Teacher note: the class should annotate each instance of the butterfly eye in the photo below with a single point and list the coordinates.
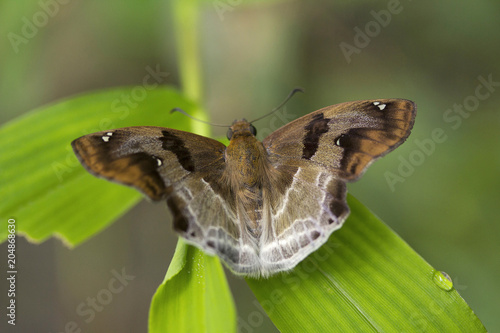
(253, 130)
(229, 134)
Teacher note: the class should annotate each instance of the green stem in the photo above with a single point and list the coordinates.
(186, 19)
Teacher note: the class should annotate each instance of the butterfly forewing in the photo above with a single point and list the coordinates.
(344, 138)
(150, 159)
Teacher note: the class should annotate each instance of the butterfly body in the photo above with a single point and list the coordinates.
(245, 156)
(260, 206)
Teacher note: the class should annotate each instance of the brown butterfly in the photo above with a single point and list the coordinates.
(260, 206)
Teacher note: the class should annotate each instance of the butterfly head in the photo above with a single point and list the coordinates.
(241, 128)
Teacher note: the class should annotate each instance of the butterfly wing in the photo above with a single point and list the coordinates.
(322, 151)
(184, 169)
(150, 159)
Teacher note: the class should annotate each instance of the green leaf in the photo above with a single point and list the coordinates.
(364, 279)
(43, 185)
(194, 297)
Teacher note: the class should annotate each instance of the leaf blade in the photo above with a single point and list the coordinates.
(364, 279)
(194, 296)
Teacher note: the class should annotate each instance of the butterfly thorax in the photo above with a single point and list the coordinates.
(245, 155)
(246, 162)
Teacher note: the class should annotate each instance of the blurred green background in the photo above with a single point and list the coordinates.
(441, 197)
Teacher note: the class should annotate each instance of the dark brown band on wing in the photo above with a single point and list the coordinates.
(176, 206)
(176, 145)
(315, 129)
(363, 145)
(141, 171)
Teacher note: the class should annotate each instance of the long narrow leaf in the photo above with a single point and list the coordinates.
(194, 297)
(365, 279)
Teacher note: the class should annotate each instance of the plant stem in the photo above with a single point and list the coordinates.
(186, 19)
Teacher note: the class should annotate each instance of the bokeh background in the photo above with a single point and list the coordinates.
(441, 196)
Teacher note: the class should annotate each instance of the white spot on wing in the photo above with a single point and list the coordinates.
(109, 133)
(105, 138)
(381, 106)
(376, 103)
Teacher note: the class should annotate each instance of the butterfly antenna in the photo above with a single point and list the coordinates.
(295, 90)
(190, 116)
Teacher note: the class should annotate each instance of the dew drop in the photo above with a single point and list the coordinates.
(442, 280)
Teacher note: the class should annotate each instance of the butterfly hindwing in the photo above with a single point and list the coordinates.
(310, 210)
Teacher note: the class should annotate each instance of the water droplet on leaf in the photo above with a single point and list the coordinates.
(442, 280)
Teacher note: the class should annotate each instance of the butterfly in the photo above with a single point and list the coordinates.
(262, 207)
